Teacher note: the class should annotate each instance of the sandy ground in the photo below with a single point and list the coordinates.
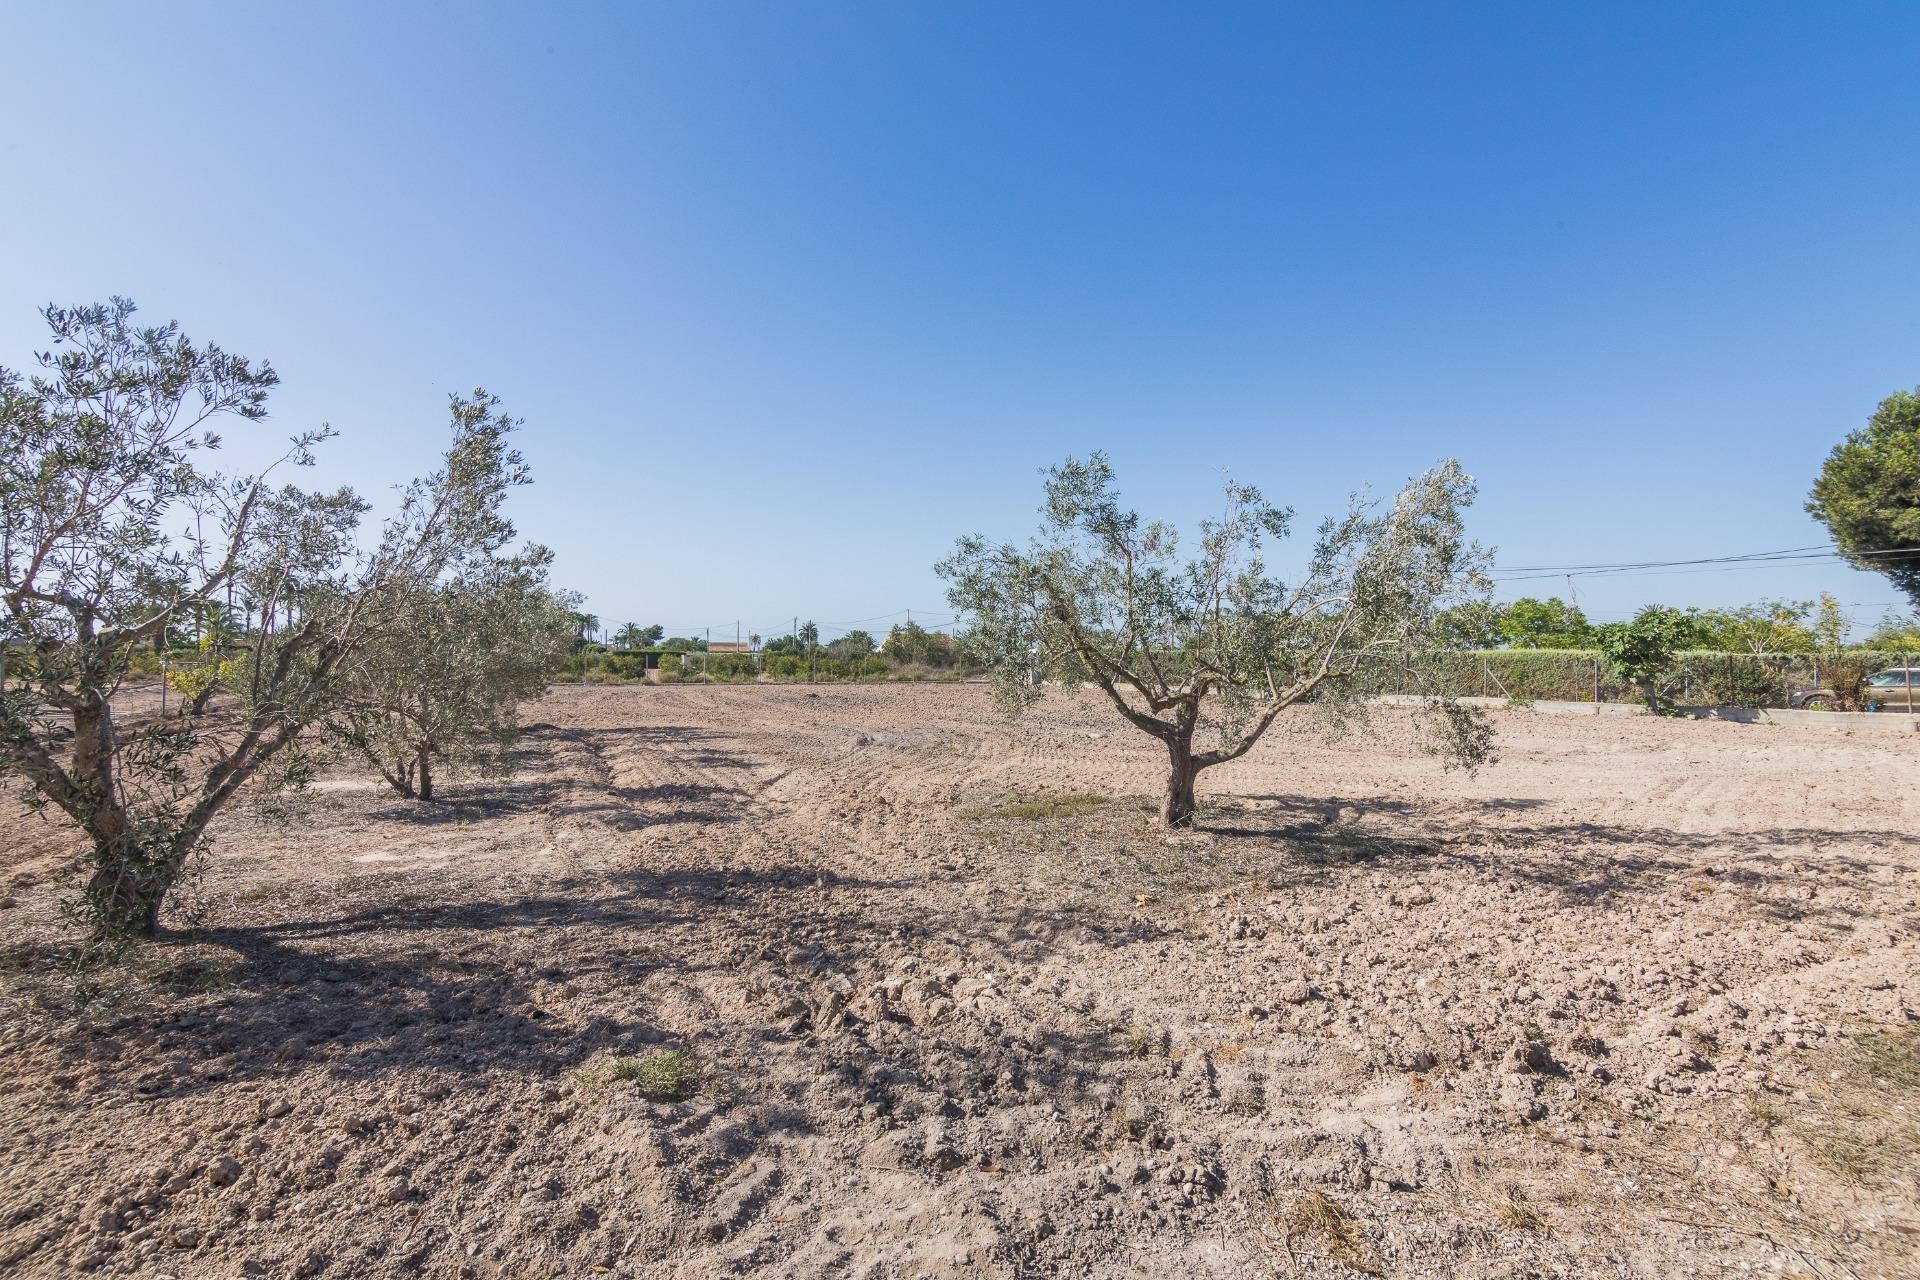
(762, 981)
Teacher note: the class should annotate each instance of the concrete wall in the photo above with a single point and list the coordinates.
(1877, 721)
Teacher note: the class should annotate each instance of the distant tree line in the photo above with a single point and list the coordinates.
(1764, 627)
(906, 644)
(906, 651)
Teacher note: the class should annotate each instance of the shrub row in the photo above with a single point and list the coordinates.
(1697, 678)
(737, 668)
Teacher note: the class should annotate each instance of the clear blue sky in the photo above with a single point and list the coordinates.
(790, 295)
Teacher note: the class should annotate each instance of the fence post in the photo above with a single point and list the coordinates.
(1483, 675)
(1596, 682)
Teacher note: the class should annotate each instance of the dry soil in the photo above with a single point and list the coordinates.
(782, 981)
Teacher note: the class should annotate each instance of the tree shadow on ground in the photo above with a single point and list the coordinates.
(626, 809)
(1585, 863)
(463, 987)
(631, 809)
(699, 747)
(536, 987)
(468, 801)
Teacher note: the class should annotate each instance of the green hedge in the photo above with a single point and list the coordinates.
(1699, 678)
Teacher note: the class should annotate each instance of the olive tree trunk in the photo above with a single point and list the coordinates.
(411, 777)
(1183, 767)
(1177, 808)
(127, 892)
(132, 876)
(127, 884)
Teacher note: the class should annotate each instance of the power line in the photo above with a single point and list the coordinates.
(1634, 564)
(1704, 564)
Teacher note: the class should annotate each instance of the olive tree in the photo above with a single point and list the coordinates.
(1213, 648)
(114, 527)
(442, 683)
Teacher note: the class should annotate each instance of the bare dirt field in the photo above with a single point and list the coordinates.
(774, 981)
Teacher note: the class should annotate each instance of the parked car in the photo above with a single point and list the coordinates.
(1895, 689)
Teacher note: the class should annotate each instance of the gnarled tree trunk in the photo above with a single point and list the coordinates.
(127, 893)
(424, 771)
(1177, 808)
(126, 888)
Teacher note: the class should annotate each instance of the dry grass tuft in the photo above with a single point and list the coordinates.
(1141, 1040)
(1513, 1212)
(1848, 1153)
(1038, 808)
(665, 1076)
(1864, 1123)
(1892, 1056)
(1765, 1110)
(1316, 1217)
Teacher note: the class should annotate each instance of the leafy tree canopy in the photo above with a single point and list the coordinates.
(632, 635)
(1528, 623)
(1214, 645)
(851, 647)
(115, 527)
(1643, 650)
(1868, 493)
(442, 684)
(1769, 626)
(912, 643)
(1474, 625)
(1895, 632)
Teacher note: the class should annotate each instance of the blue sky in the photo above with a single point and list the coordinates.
(790, 295)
